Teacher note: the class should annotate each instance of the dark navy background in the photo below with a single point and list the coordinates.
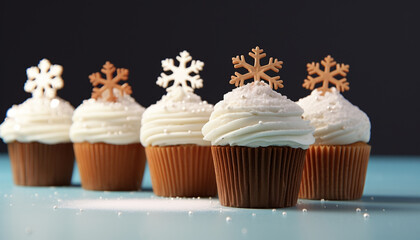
(378, 39)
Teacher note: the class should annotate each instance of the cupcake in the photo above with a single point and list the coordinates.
(105, 133)
(37, 131)
(336, 164)
(258, 139)
(179, 159)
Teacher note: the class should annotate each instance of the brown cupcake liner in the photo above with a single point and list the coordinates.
(182, 170)
(38, 164)
(109, 167)
(263, 177)
(335, 172)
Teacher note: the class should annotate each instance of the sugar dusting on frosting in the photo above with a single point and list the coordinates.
(175, 119)
(38, 119)
(109, 122)
(256, 116)
(336, 120)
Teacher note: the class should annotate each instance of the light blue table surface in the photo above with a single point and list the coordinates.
(389, 209)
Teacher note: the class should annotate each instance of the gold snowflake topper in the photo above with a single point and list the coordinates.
(44, 80)
(257, 71)
(181, 74)
(110, 82)
(327, 76)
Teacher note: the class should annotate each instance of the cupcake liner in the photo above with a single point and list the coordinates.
(263, 177)
(38, 164)
(109, 167)
(182, 171)
(335, 172)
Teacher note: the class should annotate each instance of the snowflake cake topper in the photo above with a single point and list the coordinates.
(257, 71)
(327, 76)
(181, 75)
(110, 82)
(44, 80)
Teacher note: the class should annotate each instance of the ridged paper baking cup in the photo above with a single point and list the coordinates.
(263, 177)
(335, 172)
(108, 167)
(38, 164)
(182, 171)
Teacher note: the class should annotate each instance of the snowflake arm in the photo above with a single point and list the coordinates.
(97, 93)
(163, 80)
(55, 71)
(341, 69)
(122, 75)
(196, 66)
(55, 83)
(196, 81)
(183, 58)
(310, 82)
(342, 84)
(275, 82)
(32, 87)
(274, 66)
(257, 54)
(96, 79)
(32, 73)
(328, 62)
(168, 65)
(313, 68)
(239, 79)
(239, 62)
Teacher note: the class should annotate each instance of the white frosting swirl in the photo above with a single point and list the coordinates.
(256, 116)
(109, 122)
(38, 119)
(175, 119)
(336, 120)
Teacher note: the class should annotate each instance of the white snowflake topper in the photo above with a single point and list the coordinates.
(44, 80)
(181, 74)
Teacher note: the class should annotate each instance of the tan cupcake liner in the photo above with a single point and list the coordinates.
(335, 172)
(109, 167)
(182, 171)
(263, 177)
(38, 164)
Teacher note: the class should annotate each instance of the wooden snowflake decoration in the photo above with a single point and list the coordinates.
(110, 82)
(257, 71)
(327, 76)
(181, 74)
(44, 80)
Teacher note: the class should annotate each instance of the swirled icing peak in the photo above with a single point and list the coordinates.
(256, 116)
(175, 119)
(109, 122)
(336, 120)
(38, 120)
